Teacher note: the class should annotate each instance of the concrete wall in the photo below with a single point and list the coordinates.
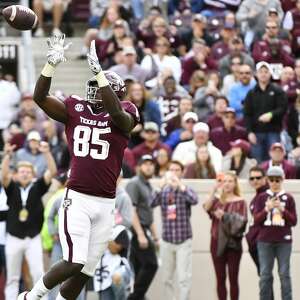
(203, 286)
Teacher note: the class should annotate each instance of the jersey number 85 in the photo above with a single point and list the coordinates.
(85, 137)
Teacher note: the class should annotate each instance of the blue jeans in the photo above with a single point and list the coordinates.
(260, 151)
(267, 253)
(138, 9)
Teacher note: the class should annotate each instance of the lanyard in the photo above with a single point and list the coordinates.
(24, 194)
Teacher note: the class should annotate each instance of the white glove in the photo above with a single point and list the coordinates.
(56, 50)
(93, 59)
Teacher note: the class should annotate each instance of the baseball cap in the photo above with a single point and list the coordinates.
(239, 143)
(277, 146)
(146, 157)
(151, 126)
(199, 18)
(128, 50)
(120, 236)
(34, 135)
(272, 10)
(275, 171)
(261, 64)
(190, 115)
(201, 126)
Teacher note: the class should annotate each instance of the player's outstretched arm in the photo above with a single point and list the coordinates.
(111, 102)
(52, 106)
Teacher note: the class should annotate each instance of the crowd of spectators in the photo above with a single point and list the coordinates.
(217, 86)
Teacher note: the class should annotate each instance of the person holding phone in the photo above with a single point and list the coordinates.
(175, 200)
(226, 208)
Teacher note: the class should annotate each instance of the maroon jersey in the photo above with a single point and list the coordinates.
(96, 147)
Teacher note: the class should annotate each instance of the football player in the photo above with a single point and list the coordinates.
(97, 130)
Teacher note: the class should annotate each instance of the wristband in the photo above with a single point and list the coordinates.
(48, 70)
(101, 79)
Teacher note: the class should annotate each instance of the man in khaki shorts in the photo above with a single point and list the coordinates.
(57, 7)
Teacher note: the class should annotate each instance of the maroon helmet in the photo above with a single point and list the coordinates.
(115, 81)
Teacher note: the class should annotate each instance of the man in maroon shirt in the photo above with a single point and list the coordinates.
(215, 120)
(277, 154)
(275, 213)
(97, 131)
(229, 132)
(152, 144)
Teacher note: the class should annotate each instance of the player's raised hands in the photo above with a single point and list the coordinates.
(93, 61)
(56, 49)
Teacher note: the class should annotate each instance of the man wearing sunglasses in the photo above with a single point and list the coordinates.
(275, 213)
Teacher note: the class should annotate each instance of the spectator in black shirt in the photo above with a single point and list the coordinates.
(264, 109)
(24, 217)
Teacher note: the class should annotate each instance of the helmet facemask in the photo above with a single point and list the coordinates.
(91, 92)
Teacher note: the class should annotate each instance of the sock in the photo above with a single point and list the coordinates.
(38, 291)
(60, 297)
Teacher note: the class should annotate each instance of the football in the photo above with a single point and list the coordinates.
(20, 17)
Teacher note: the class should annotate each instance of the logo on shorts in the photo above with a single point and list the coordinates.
(67, 202)
(79, 107)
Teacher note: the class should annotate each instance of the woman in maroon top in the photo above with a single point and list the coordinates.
(202, 168)
(227, 204)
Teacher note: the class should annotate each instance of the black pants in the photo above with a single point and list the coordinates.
(144, 263)
(254, 255)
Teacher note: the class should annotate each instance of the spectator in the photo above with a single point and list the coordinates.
(161, 163)
(28, 123)
(233, 76)
(277, 154)
(237, 159)
(227, 211)
(202, 168)
(272, 49)
(252, 17)
(197, 81)
(204, 98)
(55, 141)
(10, 98)
(186, 152)
(159, 29)
(238, 92)
(275, 213)
(130, 67)
(198, 59)
(289, 84)
(198, 30)
(144, 239)
(294, 157)
(291, 23)
(109, 51)
(221, 48)
(105, 30)
(175, 200)
(57, 8)
(185, 105)
(145, 21)
(220, 105)
(25, 217)
(183, 134)
(221, 137)
(264, 109)
(164, 60)
(151, 144)
(257, 180)
(168, 96)
(31, 153)
(113, 274)
(236, 48)
(148, 109)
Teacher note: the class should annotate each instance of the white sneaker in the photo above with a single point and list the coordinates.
(39, 32)
(56, 32)
(23, 296)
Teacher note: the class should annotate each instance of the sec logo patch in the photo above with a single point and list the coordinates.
(79, 107)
